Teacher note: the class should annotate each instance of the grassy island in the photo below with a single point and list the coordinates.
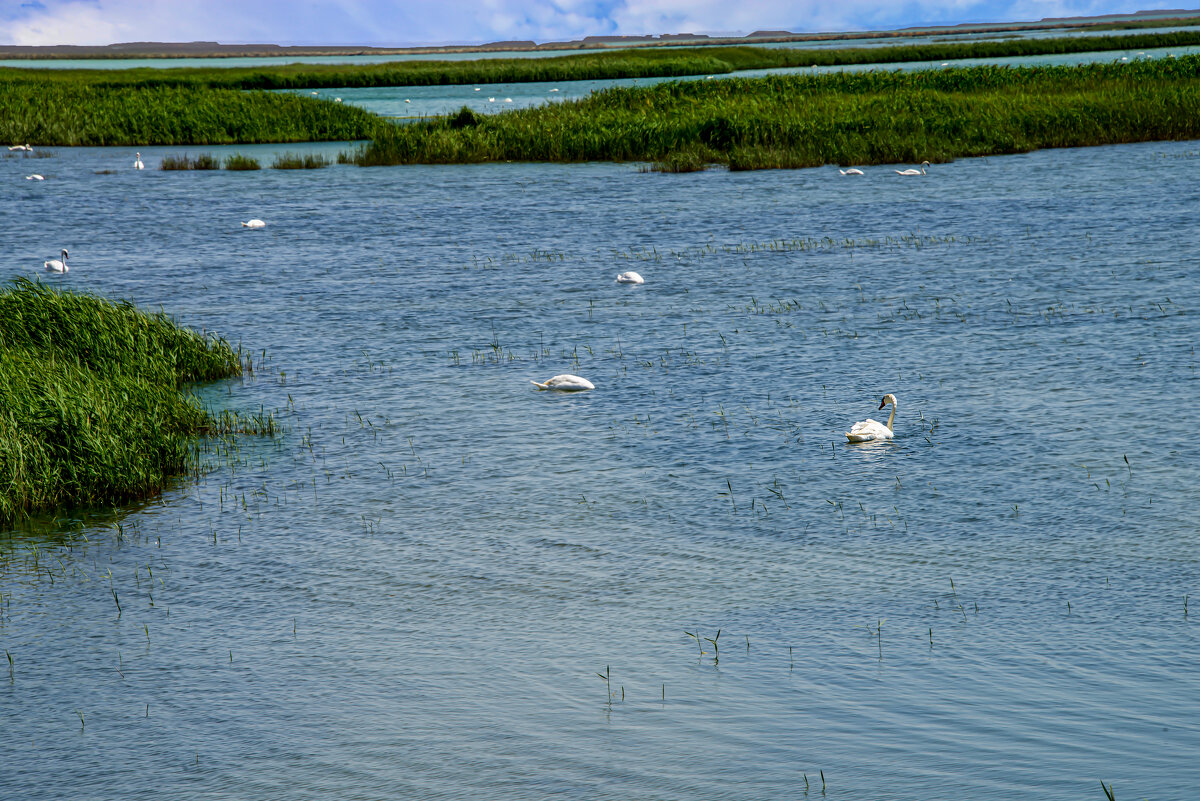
(837, 118)
(55, 112)
(228, 105)
(93, 409)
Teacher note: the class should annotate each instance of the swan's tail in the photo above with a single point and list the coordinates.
(859, 437)
(539, 386)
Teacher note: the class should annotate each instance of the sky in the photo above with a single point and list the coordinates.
(412, 22)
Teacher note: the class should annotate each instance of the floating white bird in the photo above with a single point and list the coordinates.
(337, 100)
(491, 100)
(312, 93)
(630, 277)
(256, 223)
(565, 383)
(508, 100)
(406, 100)
(35, 177)
(945, 63)
(911, 171)
(553, 90)
(869, 430)
(852, 171)
(476, 88)
(137, 162)
(20, 147)
(58, 265)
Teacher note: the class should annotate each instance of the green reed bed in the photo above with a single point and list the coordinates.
(809, 120)
(297, 161)
(632, 63)
(204, 161)
(85, 114)
(239, 162)
(92, 403)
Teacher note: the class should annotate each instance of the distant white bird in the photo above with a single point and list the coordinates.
(911, 171)
(565, 383)
(491, 100)
(35, 177)
(630, 277)
(945, 63)
(508, 100)
(20, 147)
(58, 265)
(869, 430)
(852, 171)
(137, 162)
(553, 90)
(476, 88)
(406, 100)
(337, 100)
(256, 223)
(312, 93)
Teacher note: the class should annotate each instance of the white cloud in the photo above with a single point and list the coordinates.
(442, 21)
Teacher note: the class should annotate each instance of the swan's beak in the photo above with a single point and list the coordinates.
(882, 403)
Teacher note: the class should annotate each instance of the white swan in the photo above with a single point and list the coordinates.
(137, 162)
(565, 383)
(869, 430)
(508, 100)
(254, 224)
(20, 147)
(58, 265)
(852, 171)
(35, 177)
(630, 277)
(911, 171)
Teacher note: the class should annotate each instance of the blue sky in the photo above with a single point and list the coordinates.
(389, 22)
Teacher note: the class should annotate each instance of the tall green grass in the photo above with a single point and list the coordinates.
(55, 112)
(840, 118)
(633, 63)
(92, 403)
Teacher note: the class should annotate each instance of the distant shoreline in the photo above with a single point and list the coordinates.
(170, 50)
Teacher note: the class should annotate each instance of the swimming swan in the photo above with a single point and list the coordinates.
(852, 171)
(58, 265)
(20, 147)
(137, 162)
(565, 383)
(911, 171)
(869, 430)
(630, 277)
(254, 224)
(35, 177)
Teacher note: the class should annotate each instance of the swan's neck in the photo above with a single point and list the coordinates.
(892, 417)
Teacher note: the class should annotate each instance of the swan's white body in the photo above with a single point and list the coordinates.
(35, 177)
(137, 162)
(20, 147)
(630, 277)
(565, 383)
(852, 171)
(870, 430)
(911, 171)
(254, 224)
(508, 100)
(58, 265)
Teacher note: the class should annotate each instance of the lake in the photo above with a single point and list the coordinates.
(441, 583)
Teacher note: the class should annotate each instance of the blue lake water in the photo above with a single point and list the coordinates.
(410, 592)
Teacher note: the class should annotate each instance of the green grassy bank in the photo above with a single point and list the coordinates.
(65, 113)
(92, 406)
(841, 118)
(635, 63)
